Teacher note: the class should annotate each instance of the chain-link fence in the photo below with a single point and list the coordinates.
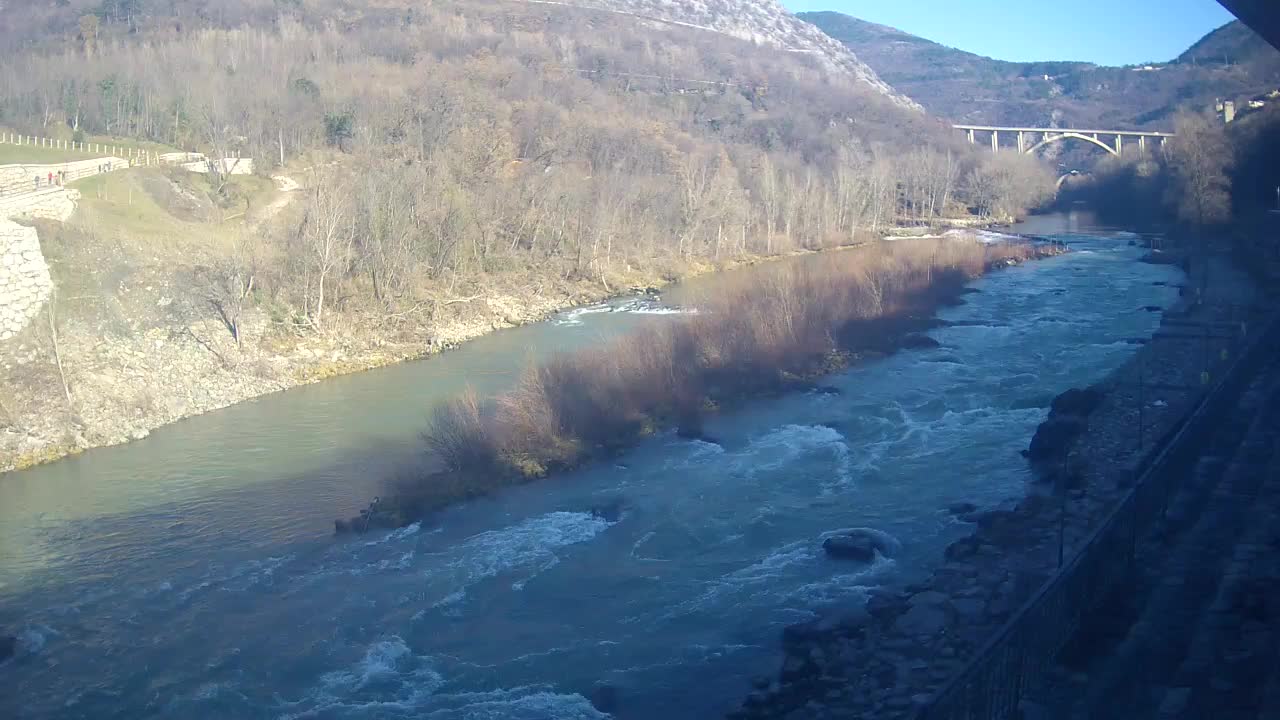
(1160, 405)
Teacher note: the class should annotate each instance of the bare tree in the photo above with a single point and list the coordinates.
(227, 285)
(1200, 158)
(325, 237)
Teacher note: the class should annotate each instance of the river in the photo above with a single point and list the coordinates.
(194, 574)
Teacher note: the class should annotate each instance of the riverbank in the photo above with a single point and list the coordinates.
(225, 522)
(124, 373)
(123, 386)
(770, 333)
(886, 659)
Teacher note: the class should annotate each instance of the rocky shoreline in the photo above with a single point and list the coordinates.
(887, 659)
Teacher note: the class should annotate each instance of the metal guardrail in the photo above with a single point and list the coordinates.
(1023, 650)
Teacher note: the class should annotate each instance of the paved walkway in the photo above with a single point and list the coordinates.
(19, 196)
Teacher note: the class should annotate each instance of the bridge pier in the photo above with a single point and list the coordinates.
(995, 141)
(1022, 142)
(1142, 143)
(1119, 144)
(971, 141)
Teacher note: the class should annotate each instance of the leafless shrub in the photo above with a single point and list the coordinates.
(760, 326)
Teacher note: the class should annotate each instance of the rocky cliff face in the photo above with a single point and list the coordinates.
(765, 22)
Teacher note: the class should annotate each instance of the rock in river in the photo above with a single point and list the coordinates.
(1080, 403)
(1054, 437)
(1066, 420)
(860, 545)
(610, 511)
(919, 342)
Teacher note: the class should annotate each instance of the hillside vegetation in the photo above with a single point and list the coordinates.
(1231, 63)
(463, 166)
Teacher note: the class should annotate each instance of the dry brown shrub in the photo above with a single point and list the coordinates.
(783, 319)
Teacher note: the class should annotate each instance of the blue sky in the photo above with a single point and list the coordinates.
(1110, 32)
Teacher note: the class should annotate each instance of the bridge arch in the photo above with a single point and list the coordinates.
(1077, 136)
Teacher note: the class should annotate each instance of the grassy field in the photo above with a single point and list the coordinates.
(164, 208)
(33, 155)
(135, 238)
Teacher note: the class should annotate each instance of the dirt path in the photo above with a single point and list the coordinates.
(286, 190)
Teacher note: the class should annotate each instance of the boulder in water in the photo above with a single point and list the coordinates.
(1076, 402)
(1067, 419)
(850, 548)
(1054, 437)
(857, 545)
(919, 342)
(610, 511)
(8, 647)
(962, 549)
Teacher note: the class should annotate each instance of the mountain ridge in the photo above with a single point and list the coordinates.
(764, 22)
(1231, 62)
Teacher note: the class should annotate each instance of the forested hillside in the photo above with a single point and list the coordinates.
(1230, 63)
(463, 165)
(487, 98)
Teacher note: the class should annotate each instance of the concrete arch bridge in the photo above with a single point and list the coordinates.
(1029, 140)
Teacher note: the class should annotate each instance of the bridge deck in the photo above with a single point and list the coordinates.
(1126, 133)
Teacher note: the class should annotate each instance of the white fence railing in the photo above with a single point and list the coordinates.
(134, 155)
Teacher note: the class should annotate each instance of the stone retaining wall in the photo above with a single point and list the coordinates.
(21, 178)
(25, 283)
(53, 204)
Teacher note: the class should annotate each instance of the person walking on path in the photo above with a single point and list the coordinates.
(51, 178)
(37, 179)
